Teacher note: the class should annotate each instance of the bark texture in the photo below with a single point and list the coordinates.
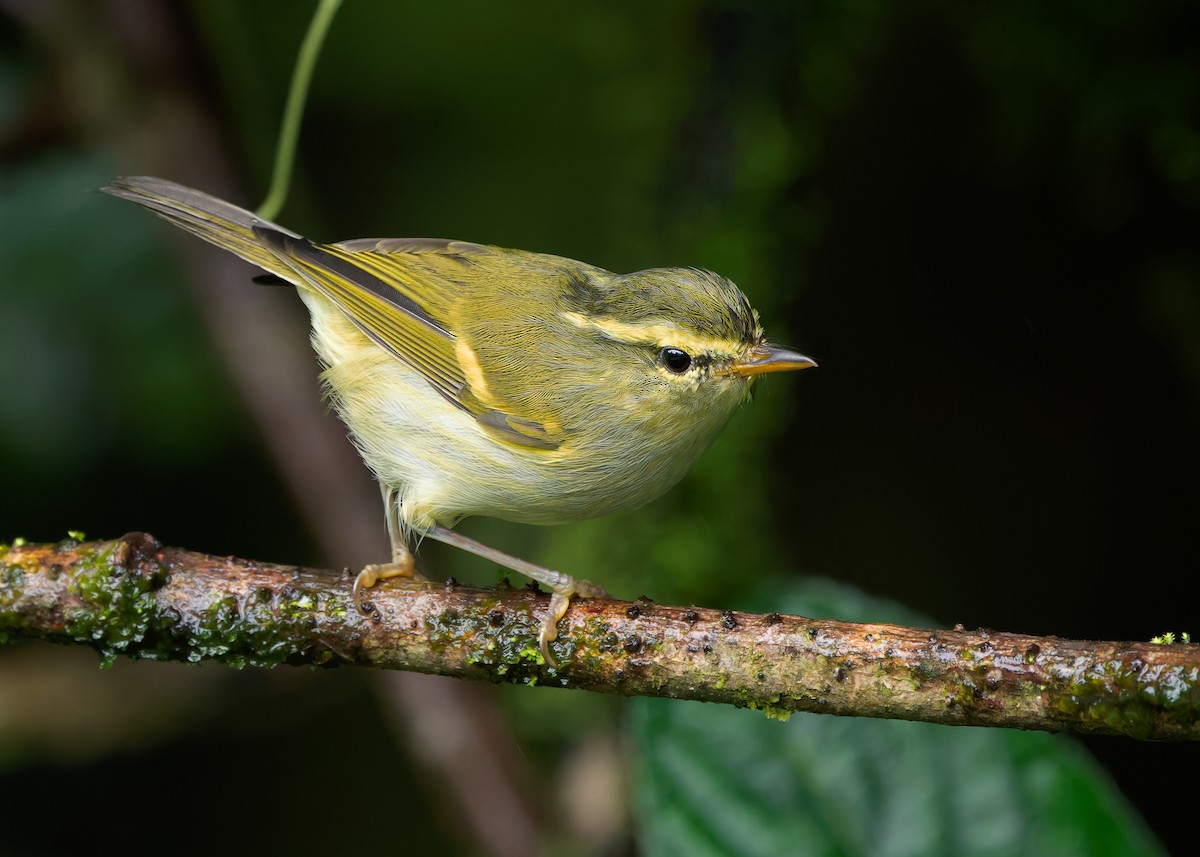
(134, 597)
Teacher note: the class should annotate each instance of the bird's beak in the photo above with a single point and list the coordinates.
(769, 358)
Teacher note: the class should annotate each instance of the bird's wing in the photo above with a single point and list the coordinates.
(403, 294)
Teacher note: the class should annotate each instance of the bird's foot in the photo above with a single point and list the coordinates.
(562, 587)
(402, 565)
(562, 591)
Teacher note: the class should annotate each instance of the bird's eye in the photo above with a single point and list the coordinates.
(675, 359)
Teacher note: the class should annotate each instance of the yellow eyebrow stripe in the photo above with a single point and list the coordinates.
(659, 335)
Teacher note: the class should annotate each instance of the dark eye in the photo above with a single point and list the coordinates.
(675, 359)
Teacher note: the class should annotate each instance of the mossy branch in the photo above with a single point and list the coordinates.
(134, 597)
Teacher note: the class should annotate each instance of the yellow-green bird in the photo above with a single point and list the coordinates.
(477, 380)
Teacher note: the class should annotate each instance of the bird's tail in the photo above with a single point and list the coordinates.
(212, 219)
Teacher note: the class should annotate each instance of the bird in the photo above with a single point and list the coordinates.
(477, 380)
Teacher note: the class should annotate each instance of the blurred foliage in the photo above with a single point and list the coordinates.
(98, 332)
(980, 219)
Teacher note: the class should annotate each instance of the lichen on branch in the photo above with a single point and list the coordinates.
(134, 597)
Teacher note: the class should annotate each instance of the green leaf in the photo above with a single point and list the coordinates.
(715, 780)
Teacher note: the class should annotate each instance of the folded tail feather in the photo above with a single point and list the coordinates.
(216, 221)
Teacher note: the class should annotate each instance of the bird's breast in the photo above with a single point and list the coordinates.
(618, 451)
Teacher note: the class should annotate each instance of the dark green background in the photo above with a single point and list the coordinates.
(982, 220)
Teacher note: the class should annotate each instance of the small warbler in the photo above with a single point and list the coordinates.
(477, 380)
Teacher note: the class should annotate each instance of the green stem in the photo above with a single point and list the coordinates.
(289, 132)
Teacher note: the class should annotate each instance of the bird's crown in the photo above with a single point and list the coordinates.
(688, 308)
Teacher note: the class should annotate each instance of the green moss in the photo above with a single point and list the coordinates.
(925, 671)
(120, 614)
(1120, 696)
(489, 635)
(263, 630)
(965, 695)
(773, 712)
(1168, 638)
(12, 584)
(119, 604)
(298, 605)
(746, 698)
(505, 640)
(768, 705)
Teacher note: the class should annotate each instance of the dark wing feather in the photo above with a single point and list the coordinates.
(386, 295)
(389, 317)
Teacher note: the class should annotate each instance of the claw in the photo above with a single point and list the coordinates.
(560, 600)
(401, 566)
(562, 586)
(365, 580)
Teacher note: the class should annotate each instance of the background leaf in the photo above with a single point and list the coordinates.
(713, 780)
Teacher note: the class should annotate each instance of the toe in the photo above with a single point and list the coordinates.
(365, 580)
(559, 602)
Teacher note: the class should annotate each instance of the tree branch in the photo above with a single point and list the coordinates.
(134, 597)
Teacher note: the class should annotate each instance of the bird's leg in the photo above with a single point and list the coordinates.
(402, 564)
(562, 586)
